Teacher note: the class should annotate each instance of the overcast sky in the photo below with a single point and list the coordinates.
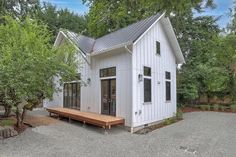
(221, 10)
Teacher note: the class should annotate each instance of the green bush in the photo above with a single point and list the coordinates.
(179, 114)
(222, 108)
(205, 107)
(233, 107)
(7, 122)
(202, 107)
(216, 107)
(167, 121)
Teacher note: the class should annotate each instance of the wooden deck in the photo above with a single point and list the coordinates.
(87, 117)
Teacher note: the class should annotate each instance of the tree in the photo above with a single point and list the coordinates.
(28, 65)
(19, 9)
(56, 19)
(107, 16)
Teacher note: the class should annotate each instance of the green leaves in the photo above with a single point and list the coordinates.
(29, 63)
(106, 16)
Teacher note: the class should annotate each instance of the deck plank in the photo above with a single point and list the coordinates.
(87, 117)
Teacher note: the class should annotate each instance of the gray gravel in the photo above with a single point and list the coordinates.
(200, 134)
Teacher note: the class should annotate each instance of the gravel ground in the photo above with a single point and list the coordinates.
(200, 134)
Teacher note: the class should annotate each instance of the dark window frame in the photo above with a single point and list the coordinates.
(147, 83)
(158, 48)
(71, 95)
(168, 85)
(107, 72)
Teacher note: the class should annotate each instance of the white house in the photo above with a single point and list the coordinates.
(130, 73)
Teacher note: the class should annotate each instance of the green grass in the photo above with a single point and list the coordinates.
(7, 122)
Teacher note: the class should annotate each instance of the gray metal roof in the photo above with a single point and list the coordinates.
(125, 35)
(85, 44)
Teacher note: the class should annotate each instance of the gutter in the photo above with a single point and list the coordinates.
(112, 48)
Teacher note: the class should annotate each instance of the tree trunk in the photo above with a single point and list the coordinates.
(18, 124)
(23, 115)
(7, 111)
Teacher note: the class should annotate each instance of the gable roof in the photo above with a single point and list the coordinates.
(128, 34)
(119, 38)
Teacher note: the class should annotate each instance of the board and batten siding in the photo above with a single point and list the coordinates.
(91, 94)
(144, 54)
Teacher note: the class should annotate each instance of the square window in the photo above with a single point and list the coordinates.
(147, 71)
(168, 75)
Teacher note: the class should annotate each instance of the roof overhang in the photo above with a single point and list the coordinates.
(173, 40)
(95, 53)
(59, 39)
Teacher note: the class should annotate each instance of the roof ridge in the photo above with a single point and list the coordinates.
(126, 26)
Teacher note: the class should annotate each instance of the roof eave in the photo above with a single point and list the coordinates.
(174, 42)
(95, 53)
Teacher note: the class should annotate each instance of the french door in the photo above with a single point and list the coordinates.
(71, 95)
(108, 97)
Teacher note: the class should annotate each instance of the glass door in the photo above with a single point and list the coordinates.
(108, 91)
(71, 95)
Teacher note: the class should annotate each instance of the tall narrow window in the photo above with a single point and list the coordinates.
(158, 48)
(71, 95)
(147, 84)
(168, 86)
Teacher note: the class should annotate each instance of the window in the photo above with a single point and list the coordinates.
(108, 72)
(71, 95)
(147, 84)
(168, 86)
(158, 48)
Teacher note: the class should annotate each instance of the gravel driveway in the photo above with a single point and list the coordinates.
(200, 134)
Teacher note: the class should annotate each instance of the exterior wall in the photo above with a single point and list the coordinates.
(91, 94)
(144, 54)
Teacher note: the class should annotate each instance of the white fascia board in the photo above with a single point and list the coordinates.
(77, 48)
(137, 40)
(173, 41)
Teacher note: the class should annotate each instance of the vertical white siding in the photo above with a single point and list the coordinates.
(91, 94)
(144, 54)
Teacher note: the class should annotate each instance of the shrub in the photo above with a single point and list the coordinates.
(179, 114)
(208, 107)
(167, 121)
(233, 107)
(7, 122)
(205, 107)
(222, 108)
(202, 107)
(216, 107)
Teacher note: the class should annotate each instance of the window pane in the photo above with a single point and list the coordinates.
(65, 99)
(78, 95)
(168, 75)
(147, 71)
(168, 91)
(158, 47)
(147, 90)
(108, 72)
